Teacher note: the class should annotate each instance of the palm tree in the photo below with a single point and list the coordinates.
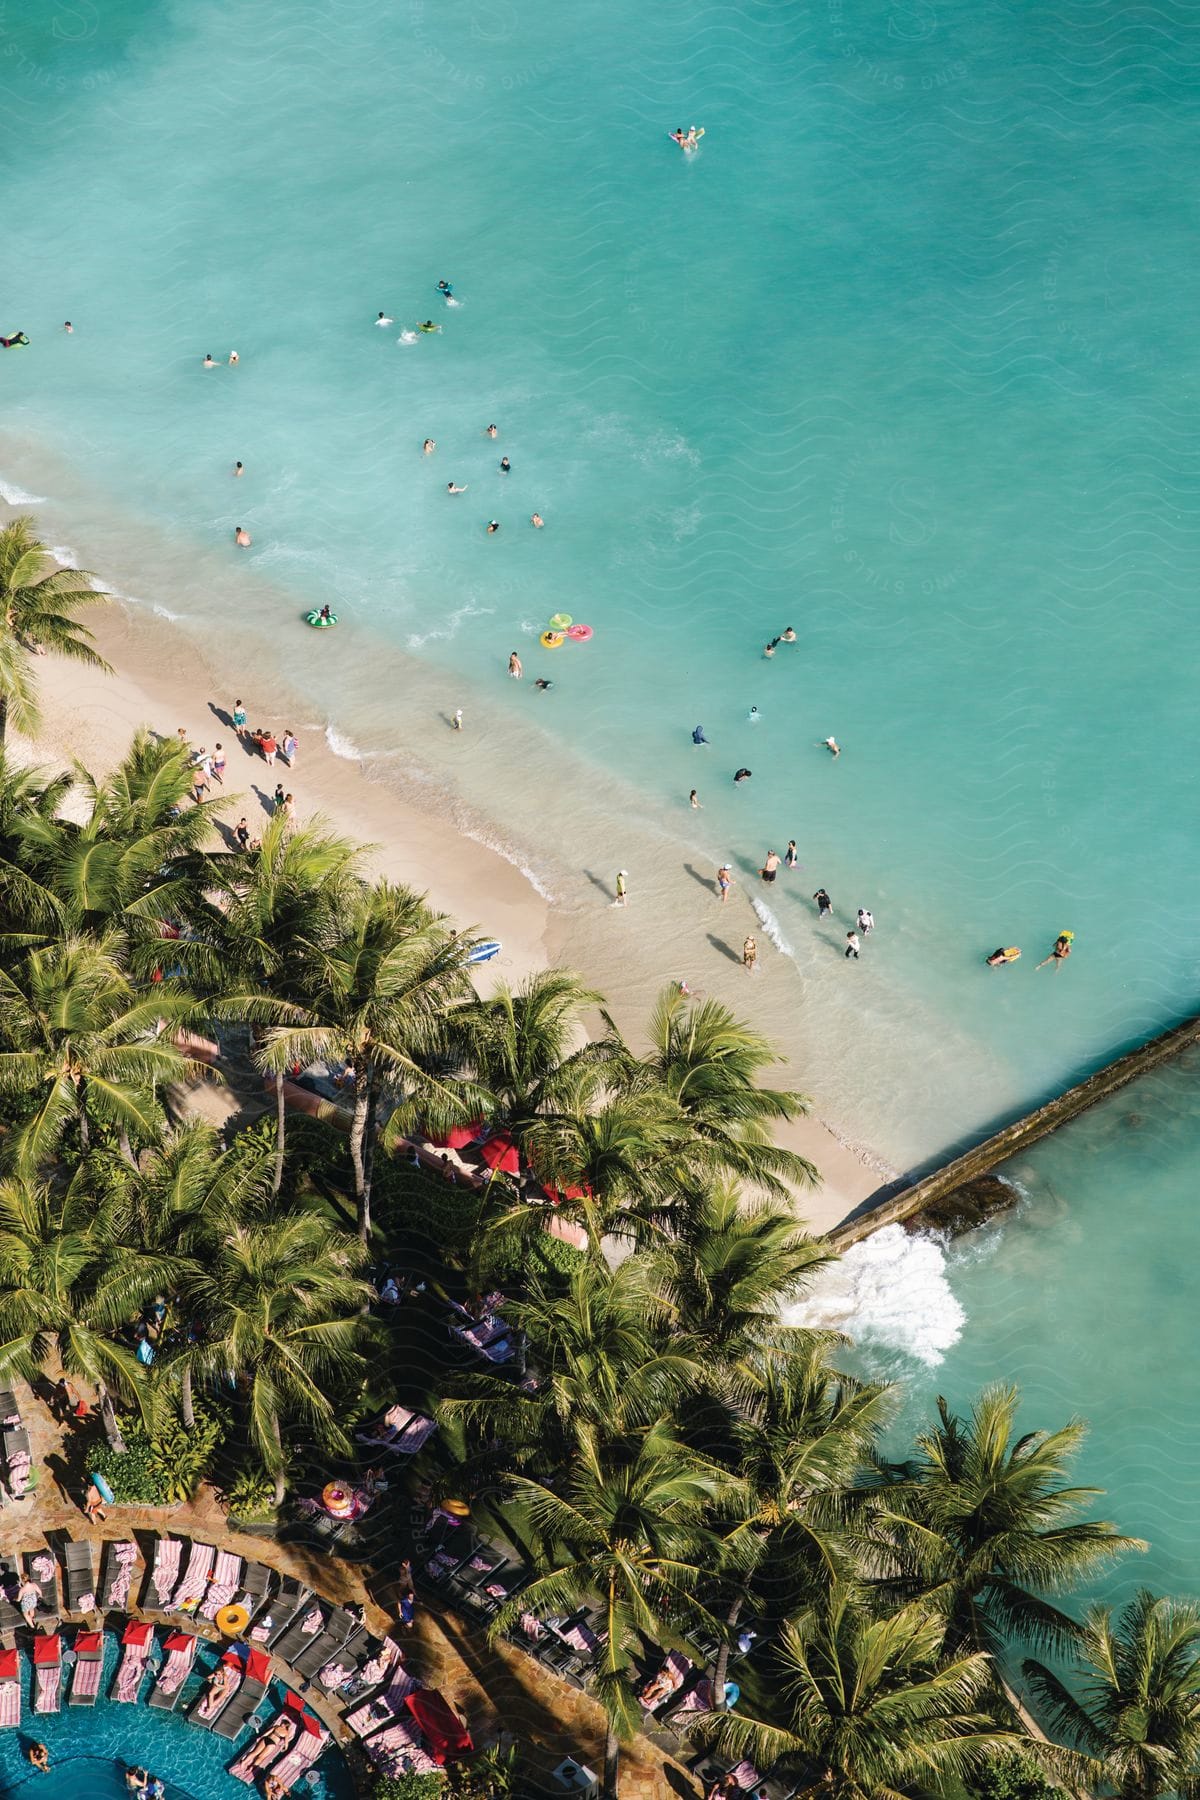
(67, 1288)
(277, 1308)
(377, 1000)
(37, 608)
(627, 1525)
(733, 1268)
(180, 1201)
(709, 1063)
(982, 1524)
(868, 1708)
(525, 1046)
(608, 1359)
(280, 911)
(1135, 1713)
(799, 1437)
(134, 860)
(84, 1047)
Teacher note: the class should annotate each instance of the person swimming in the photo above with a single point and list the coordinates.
(326, 616)
(384, 320)
(753, 716)
(505, 466)
(742, 775)
(453, 488)
(999, 958)
(428, 325)
(698, 736)
(242, 538)
(542, 683)
(537, 521)
(15, 342)
(493, 527)
(445, 288)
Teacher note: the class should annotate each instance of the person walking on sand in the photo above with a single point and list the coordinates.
(824, 904)
(278, 797)
(853, 945)
(217, 765)
(866, 921)
(238, 718)
(1060, 952)
(749, 956)
(622, 898)
(242, 834)
(269, 748)
(456, 721)
(289, 747)
(789, 855)
(289, 810)
(770, 866)
(514, 666)
(724, 882)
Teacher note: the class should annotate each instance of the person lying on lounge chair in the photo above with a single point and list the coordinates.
(220, 1686)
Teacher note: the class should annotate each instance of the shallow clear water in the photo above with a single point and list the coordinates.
(902, 358)
(1085, 1298)
(91, 1747)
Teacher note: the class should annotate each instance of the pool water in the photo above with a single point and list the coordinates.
(92, 1746)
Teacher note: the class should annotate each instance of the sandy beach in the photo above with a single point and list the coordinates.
(162, 679)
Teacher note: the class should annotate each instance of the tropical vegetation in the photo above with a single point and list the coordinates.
(676, 1458)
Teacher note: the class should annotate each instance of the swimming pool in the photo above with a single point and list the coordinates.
(92, 1746)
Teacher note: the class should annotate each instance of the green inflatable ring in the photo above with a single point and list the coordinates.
(320, 624)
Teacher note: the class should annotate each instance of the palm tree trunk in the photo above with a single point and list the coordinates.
(362, 1151)
(3, 717)
(186, 1410)
(108, 1419)
(721, 1666)
(281, 1471)
(280, 1109)
(126, 1148)
(612, 1763)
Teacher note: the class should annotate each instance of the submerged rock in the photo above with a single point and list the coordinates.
(966, 1207)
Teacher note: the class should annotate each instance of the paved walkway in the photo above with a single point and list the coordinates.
(502, 1693)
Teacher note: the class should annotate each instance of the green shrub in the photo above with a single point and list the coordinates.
(1012, 1777)
(160, 1467)
(251, 1496)
(408, 1787)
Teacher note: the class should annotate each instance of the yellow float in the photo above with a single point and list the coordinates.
(551, 640)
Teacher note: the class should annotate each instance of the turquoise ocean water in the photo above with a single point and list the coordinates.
(904, 358)
(1085, 1298)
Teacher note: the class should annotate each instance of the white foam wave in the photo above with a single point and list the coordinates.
(450, 625)
(342, 746)
(770, 925)
(890, 1290)
(510, 856)
(64, 555)
(12, 495)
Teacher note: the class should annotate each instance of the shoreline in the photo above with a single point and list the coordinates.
(163, 679)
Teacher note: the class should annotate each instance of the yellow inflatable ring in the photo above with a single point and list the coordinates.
(551, 640)
(231, 1620)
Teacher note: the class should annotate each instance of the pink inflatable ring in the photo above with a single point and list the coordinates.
(579, 633)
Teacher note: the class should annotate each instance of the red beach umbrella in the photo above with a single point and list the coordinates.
(458, 1136)
(501, 1154)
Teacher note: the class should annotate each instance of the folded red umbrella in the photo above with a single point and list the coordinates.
(458, 1136)
(47, 1650)
(501, 1154)
(444, 1732)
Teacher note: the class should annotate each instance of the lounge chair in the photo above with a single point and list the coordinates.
(18, 1461)
(89, 1666)
(398, 1750)
(279, 1613)
(217, 1691)
(40, 1566)
(10, 1412)
(233, 1719)
(11, 1618)
(310, 1743)
(223, 1584)
(256, 1586)
(161, 1582)
(307, 1627)
(47, 1667)
(10, 1688)
(190, 1592)
(315, 1654)
(400, 1430)
(79, 1578)
(116, 1574)
(373, 1714)
(274, 1741)
(664, 1687)
(180, 1647)
(136, 1640)
(485, 1598)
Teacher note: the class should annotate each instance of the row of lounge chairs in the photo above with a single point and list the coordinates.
(16, 1459)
